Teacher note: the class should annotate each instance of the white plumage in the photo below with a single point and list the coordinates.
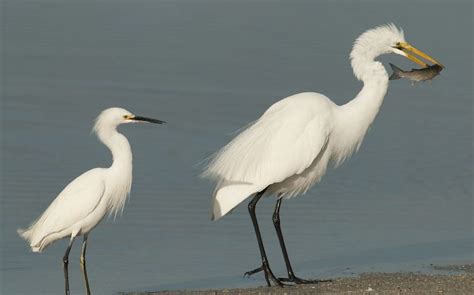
(282, 143)
(90, 197)
(77, 209)
(289, 148)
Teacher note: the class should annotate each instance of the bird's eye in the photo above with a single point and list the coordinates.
(125, 117)
(397, 46)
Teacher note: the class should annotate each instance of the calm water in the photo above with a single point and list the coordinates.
(208, 68)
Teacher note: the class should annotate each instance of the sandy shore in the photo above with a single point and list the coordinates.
(369, 283)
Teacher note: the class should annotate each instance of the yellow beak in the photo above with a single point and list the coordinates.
(408, 49)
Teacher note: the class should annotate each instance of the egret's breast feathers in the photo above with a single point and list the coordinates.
(121, 183)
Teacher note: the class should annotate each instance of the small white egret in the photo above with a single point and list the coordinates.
(85, 201)
(289, 147)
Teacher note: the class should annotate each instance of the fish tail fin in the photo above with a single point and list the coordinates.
(396, 72)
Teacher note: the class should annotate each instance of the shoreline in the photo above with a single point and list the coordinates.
(462, 282)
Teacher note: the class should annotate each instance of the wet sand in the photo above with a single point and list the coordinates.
(461, 282)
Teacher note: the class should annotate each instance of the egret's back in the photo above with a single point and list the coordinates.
(68, 214)
(283, 142)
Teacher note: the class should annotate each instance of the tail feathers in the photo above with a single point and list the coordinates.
(36, 249)
(24, 233)
(396, 72)
(27, 234)
(227, 197)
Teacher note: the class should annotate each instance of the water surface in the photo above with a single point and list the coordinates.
(208, 68)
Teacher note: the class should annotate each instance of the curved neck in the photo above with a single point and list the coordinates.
(354, 118)
(118, 146)
(365, 106)
(120, 172)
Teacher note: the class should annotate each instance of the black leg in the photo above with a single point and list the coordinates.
(291, 275)
(65, 266)
(83, 265)
(269, 276)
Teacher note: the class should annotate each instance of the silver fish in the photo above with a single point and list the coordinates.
(416, 75)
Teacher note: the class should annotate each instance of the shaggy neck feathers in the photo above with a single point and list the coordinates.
(355, 117)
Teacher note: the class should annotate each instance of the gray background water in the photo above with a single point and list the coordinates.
(208, 68)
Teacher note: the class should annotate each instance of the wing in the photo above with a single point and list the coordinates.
(78, 199)
(281, 143)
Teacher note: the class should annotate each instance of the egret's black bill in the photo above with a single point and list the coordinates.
(145, 119)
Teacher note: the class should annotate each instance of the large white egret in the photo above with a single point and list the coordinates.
(85, 201)
(289, 147)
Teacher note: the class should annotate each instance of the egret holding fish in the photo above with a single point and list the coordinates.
(85, 201)
(288, 149)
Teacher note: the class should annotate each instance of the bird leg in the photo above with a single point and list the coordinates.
(291, 275)
(83, 265)
(269, 276)
(65, 266)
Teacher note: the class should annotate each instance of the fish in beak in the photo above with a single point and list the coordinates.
(410, 51)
